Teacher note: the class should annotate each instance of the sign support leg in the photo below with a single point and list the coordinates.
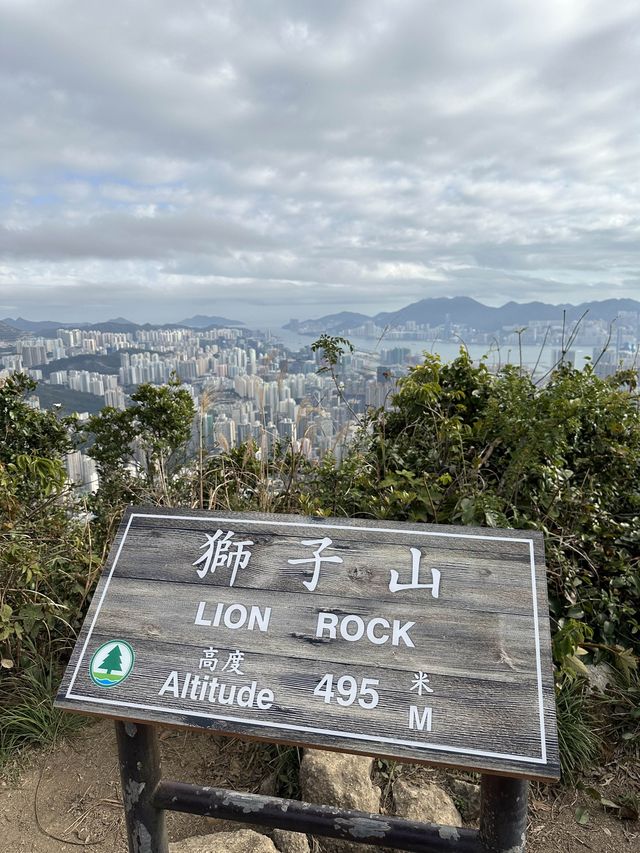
(503, 814)
(139, 758)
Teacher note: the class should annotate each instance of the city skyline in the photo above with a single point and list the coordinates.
(248, 386)
(295, 159)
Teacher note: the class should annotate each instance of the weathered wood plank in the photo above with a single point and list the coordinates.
(447, 639)
(293, 680)
(470, 613)
(482, 580)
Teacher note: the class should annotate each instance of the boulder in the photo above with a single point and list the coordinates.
(239, 841)
(599, 676)
(339, 780)
(424, 801)
(290, 842)
(468, 795)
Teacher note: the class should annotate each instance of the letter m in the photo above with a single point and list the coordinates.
(417, 721)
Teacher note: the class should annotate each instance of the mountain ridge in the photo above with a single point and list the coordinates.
(464, 310)
(117, 324)
(202, 321)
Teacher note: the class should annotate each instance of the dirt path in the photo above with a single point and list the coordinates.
(68, 799)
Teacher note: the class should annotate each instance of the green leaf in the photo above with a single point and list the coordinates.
(592, 792)
(582, 816)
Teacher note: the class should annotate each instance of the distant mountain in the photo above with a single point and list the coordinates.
(201, 321)
(458, 309)
(118, 324)
(39, 325)
(121, 321)
(329, 323)
(47, 327)
(9, 333)
(469, 312)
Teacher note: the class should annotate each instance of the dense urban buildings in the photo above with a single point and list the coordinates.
(250, 385)
(244, 385)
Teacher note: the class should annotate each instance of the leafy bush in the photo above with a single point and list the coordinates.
(157, 428)
(49, 559)
(464, 446)
(24, 430)
(47, 567)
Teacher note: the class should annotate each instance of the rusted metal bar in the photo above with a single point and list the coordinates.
(139, 759)
(313, 819)
(503, 814)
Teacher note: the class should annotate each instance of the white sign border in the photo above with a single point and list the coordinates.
(310, 729)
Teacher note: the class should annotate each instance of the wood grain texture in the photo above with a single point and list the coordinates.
(484, 641)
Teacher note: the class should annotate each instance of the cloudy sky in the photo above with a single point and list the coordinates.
(267, 160)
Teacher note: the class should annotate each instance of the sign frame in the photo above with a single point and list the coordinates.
(544, 767)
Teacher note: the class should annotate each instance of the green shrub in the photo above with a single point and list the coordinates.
(464, 446)
(47, 569)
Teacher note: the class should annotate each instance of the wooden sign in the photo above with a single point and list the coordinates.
(416, 642)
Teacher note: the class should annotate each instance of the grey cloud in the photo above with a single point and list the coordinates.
(373, 151)
(120, 237)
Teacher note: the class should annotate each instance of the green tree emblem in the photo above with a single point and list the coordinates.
(113, 661)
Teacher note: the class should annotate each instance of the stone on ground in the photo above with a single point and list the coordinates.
(599, 676)
(239, 841)
(469, 797)
(290, 842)
(343, 781)
(338, 780)
(424, 801)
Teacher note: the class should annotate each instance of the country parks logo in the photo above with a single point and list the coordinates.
(111, 663)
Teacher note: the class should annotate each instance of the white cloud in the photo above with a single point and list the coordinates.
(291, 157)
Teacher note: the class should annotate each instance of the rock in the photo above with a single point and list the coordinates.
(269, 785)
(599, 676)
(239, 841)
(469, 795)
(290, 842)
(339, 780)
(425, 802)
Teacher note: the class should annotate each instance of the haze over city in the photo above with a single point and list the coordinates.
(290, 159)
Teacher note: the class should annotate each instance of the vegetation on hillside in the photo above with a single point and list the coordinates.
(458, 445)
(53, 545)
(48, 567)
